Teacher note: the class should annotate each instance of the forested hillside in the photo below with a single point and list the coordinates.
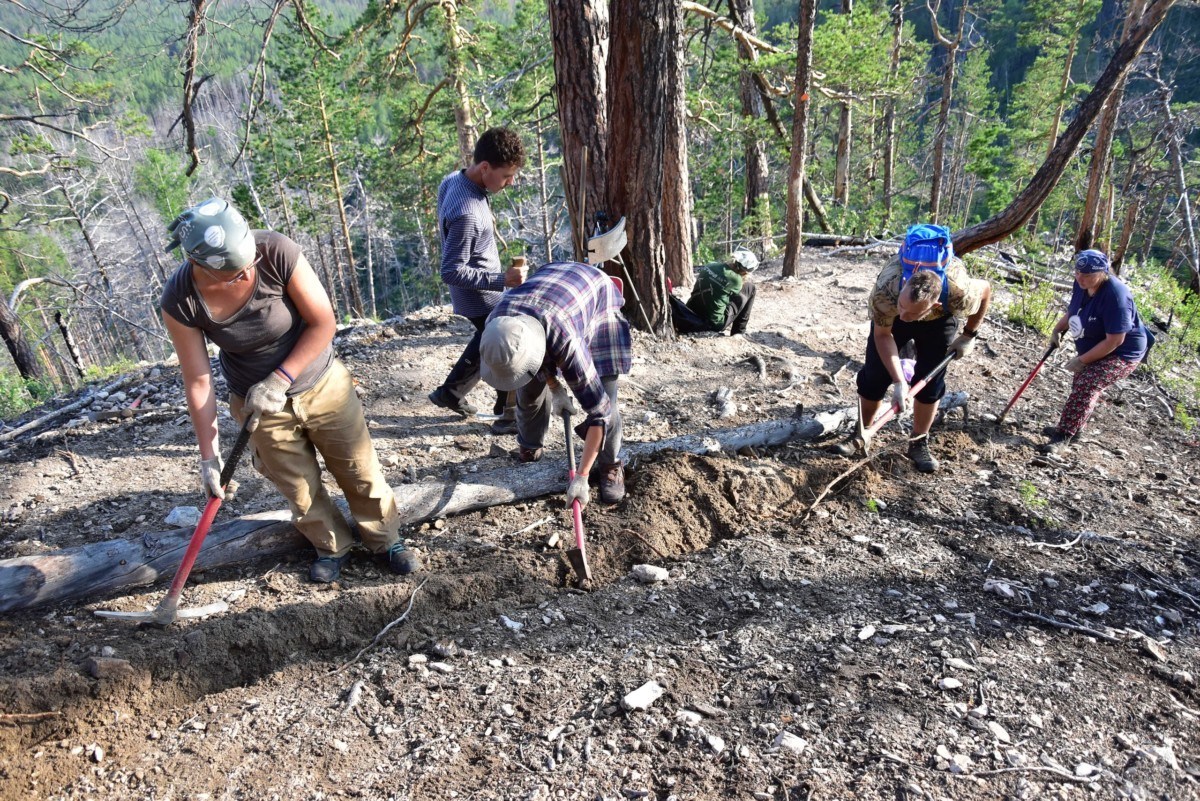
(334, 122)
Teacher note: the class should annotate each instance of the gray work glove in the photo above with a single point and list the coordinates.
(901, 400)
(268, 396)
(578, 490)
(562, 402)
(210, 477)
(962, 346)
(1055, 339)
(1076, 365)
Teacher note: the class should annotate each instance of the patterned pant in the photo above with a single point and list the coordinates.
(1087, 388)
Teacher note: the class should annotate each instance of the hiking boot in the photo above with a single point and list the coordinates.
(503, 427)
(443, 398)
(846, 448)
(919, 455)
(326, 569)
(1058, 442)
(612, 482)
(528, 455)
(401, 559)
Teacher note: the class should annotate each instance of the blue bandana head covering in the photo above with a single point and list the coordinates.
(1091, 261)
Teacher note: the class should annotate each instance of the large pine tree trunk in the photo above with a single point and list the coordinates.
(645, 40)
(1046, 178)
(796, 169)
(580, 30)
(677, 184)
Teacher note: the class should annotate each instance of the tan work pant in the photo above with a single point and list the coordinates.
(327, 418)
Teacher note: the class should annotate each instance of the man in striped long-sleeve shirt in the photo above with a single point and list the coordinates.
(470, 259)
(565, 320)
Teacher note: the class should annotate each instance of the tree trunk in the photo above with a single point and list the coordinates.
(1174, 136)
(841, 171)
(889, 117)
(1098, 167)
(677, 185)
(1043, 182)
(796, 168)
(1132, 212)
(642, 62)
(580, 30)
(362, 190)
(942, 130)
(355, 296)
(464, 118)
(69, 341)
(23, 355)
(756, 203)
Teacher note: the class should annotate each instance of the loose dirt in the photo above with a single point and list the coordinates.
(1009, 627)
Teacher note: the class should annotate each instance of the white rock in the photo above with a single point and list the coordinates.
(1000, 588)
(107, 651)
(507, 710)
(649, 574)
(643, 696)
(949, 683)
(183, 517)
(688, 718)
(787, 741)
(341, 745)
(717, 744)
(98, 754)
(441, 667)
(1085, 769)
(999, 732)
(960, 664)
(1098, 608)
(511, 624)
(867, 633)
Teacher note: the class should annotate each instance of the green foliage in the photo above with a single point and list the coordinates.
(1035, 306)
(1030, 496)
(1184, 419)
(160, 180)
(18, 395)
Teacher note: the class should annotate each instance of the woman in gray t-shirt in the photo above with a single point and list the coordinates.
(255, 296)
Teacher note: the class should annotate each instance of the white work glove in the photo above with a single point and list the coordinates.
(1055, 339)
(268, 396)
(1076, 365)
(962, 346)
(578, 490)
(210, 477)
(901, 400)
(562, 402)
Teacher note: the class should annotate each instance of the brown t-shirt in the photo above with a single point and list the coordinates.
(256, 338)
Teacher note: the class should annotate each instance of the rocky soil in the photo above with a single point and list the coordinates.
(1011, 627)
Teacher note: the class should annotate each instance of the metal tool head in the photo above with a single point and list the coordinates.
(165, 613)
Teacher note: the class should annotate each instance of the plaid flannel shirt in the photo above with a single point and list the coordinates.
(586, 335)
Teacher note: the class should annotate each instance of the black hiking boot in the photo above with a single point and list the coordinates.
(401, 560)
(327, 569)
(919, 455)
(1058, 442)
(443, 398)
(846, 447)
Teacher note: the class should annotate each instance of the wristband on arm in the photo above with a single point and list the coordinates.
(285, 374)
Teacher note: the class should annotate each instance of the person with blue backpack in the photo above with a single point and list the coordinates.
(1110, 342)
(919, 297)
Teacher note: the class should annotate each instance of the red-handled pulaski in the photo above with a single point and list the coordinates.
(577, 556)
(168, 611)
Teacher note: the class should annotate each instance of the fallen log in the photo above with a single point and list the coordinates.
(101, 568)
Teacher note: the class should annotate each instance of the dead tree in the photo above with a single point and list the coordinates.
(756, 203)
(23, 355)
(841, 170)
(1046, 178)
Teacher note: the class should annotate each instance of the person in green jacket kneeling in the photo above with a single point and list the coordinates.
(721, 299)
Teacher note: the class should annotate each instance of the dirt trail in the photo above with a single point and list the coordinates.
(905, 639)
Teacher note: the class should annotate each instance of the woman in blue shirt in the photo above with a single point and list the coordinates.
(1110, 342)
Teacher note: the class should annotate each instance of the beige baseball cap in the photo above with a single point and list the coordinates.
(511, 351)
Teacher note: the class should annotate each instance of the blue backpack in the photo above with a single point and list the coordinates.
(927, 247)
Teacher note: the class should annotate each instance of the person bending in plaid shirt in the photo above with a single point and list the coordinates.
(563, 325)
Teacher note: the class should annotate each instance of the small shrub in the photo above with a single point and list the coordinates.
(18, 395)
(1036, 306)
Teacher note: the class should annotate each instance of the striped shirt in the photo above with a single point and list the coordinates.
(470, 259)
(586, 335)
